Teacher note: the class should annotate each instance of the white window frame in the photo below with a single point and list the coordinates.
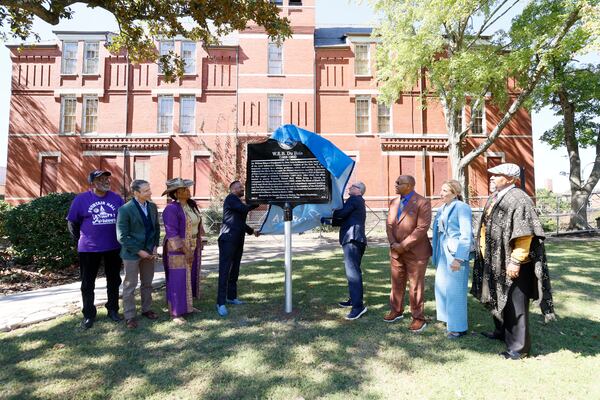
(270, 127)
(273, 50)
(367, 46)
(367, 99)
(169, 127)
(192, 116)
(63, 100)
(190, 62)
(483, 121)
(85, 114)
(86, 60)
(389, 116)
(70, 62)
(162, 50)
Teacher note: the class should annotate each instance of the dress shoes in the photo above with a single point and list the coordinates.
(150, 314)
(131, 323)
(393, 316)
(513, 355)
(494, 335)
(114, 315)
(87, 323)
(417, 326)
(455, 335)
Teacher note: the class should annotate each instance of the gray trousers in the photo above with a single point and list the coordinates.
(145, 269)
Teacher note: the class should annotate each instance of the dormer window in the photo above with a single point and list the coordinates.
(164, 48)
(69, 58)
(295, 2)
(275, 59)
(90, 58)
(188, 54)
(361, 59)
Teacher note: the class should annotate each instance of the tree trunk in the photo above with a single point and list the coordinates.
(578, 219)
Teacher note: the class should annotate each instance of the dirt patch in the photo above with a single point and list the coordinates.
(14, 279)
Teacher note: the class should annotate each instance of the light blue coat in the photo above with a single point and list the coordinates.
(452, 236)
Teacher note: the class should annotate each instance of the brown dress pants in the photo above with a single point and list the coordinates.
(413, 271)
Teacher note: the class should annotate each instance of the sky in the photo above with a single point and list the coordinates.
(549, 164)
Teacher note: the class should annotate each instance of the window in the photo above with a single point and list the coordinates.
(202, 176)
(477, 119)
(363, 114)
(383, 118)
(188, 54)
(439, 168)
(49, 175)
(459, 119)
(165, 47)
(361, 59)
(67, 114)
(141, 168)
(278, 2)
(165, 114)
(275, 117)
(69, 58)
(90, 58)
(187, 113)
(275, 59)
(295, 2)
(90, 114)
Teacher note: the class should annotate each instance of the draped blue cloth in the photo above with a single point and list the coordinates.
(339, 165)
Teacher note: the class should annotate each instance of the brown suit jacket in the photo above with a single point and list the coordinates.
(410, 231)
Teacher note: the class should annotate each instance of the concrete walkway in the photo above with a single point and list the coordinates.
(27, 308)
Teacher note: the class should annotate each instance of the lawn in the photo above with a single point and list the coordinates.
(258, 352)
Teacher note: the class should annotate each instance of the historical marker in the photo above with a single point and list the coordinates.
(277, 174)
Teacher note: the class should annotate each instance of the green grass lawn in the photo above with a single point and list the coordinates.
(258, 352)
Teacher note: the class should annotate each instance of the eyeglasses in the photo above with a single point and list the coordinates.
(401, 183)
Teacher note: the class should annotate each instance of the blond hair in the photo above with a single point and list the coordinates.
(455, 187)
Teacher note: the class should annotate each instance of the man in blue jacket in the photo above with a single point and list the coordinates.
(351, 220)
(231, 245)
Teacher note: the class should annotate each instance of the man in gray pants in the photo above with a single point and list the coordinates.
(138, 231)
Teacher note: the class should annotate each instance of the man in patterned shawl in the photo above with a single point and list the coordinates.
(510, 267)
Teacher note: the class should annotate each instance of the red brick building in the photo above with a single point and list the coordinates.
(76, 107)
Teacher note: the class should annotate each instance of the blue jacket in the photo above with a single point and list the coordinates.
(351, 220)
(456, 232)
(234, 219)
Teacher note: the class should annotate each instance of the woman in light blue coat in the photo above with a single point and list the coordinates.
(452, 237)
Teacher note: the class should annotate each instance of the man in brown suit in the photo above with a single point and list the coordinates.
(407, 224)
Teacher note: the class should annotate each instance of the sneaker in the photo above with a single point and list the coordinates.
(417, 326)
(222, 310)
(356, 314)
(235, 301)
(455, 335)
(393, 316)
(347, 303)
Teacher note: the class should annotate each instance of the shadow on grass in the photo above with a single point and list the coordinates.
(258, 351)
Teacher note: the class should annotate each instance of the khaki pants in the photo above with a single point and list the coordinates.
(145, 269)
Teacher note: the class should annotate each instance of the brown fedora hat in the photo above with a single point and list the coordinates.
(176, 183)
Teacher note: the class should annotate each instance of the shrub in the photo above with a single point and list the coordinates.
(4, 207)
(38, 232)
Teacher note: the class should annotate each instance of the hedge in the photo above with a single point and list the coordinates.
(38, 232)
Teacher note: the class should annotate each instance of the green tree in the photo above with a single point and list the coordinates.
(141, 22)
(467, 58)
(573, 92)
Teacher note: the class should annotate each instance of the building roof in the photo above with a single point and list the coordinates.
(336, 36)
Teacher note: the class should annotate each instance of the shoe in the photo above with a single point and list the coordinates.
(455, 335)
(114, 315)
(222, 310)
(150, 314)
(393, 316)
(494, 335)
(179, 320)
(347, 303)
(131, 323)
(417, 326)
(513, 355)
(356, 313)
(235, 301)
(87, 323)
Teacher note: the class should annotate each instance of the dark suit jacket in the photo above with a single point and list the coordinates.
(351, 220)
(410, 230)
(131, 232)
(234, 219)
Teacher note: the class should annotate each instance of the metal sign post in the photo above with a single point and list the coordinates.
(288, 256)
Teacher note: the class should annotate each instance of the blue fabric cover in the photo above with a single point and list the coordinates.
(339, 165)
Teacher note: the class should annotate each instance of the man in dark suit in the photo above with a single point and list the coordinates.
(231, 245)
(138, 231)
(407, 224)
(351, 220)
